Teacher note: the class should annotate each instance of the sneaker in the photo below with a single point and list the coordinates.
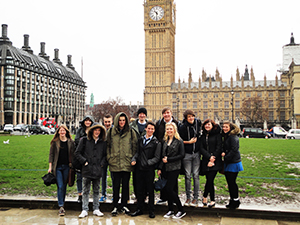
(194, 203)
(97, 212)
(187, 202)
(83, 214)
(102, 199)
(61, 211)
(169, 214)
(125, 210)
(179, 215)
(161, 202)
(114, 212)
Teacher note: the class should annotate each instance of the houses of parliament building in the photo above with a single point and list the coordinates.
(210, 96)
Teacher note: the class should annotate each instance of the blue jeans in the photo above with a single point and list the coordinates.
(104, 181)
(191, 163)
(79, 182)
(62, 172)
(86, 192)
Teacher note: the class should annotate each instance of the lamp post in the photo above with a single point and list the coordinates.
(178, 108)
(232, 92)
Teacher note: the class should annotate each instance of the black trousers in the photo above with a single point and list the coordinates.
(118, 179)
(209, 185)
(172, 195)
(145, 179)
(163, 192)
(232, 186)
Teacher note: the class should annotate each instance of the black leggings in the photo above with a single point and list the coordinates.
(172, 179)
(232, 186)
(209, 185)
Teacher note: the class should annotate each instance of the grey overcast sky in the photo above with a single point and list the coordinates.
(109, 37)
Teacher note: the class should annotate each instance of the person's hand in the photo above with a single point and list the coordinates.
(133, 163)
(223, 154)
(49, 170)
(193, 140)
(210, 164)
(165, 159)
(158, 172)
(86, 164)
(212, 158)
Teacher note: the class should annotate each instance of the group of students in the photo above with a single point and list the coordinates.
(141, 147)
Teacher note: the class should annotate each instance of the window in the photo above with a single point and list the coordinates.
(271, 115)
(184, 105)
(194, 105)
(237, 104)
(216, 115)
(226, 115)
(174, 105)
(226, 104)
(271, 104)
(205, 105)
(216, 104)
(194, 95)
(226, 95)
(205, 116)
(271, 94)
(282, 104)
(248, 94)
(282, 115)
(205, 95)
(282, 94)
(184, 95)
(259, 94)
(215, 95)
(174, 95)
(237, 95)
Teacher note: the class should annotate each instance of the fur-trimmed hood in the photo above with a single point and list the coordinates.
(234, 130)
(94, 126)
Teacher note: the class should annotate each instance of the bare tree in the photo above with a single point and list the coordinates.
(110, 106)
(254, 110)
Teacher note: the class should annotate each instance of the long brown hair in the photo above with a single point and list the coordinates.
(56, 135)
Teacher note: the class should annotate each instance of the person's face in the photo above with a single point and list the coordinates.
(208, 126)
(122, 122)
(142, 117)
(170, 130)
(167, 115)
(62, 132)
(107, 122)
(150, 130)
(226, 128)
(190, 118)
(87, 123)
(96, 133)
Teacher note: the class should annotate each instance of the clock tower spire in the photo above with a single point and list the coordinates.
(160, 29)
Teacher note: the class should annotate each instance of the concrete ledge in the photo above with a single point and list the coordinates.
(159, 209)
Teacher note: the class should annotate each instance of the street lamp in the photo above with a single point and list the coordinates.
(232, 92)
(178, 108)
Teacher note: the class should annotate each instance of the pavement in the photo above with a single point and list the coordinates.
(40, 210)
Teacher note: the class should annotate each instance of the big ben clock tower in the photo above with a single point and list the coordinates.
(160, 27)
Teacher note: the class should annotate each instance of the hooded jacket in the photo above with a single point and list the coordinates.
(121, 146)
(211, 145)
(160, 129)
(187, 131)
(81, 130)
(94, 153)
(231, 145)
(134, 126)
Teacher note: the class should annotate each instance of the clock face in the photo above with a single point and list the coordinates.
(156, 13)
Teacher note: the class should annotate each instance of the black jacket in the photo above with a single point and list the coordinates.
(211, 145)
(187, 131)
(231, 145)
(147, 156)
(160, 129)
(81, 130)
(175, 154)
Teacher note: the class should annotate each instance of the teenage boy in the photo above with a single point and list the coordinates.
(91, 153)
(189, 131)
(148, 154)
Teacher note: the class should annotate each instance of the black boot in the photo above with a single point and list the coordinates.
(79, 200)
(229, 205)
(235, 204)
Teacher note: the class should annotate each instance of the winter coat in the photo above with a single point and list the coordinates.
(160, 129)
(134, 126)
(121, 146)
(54, 153)
(211, 145)
(81, 130)
(187, 131)
(93, 153)
(231, 145)
(175, 154)
(147, 156)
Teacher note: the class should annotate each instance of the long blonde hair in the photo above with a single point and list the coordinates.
(176, 135)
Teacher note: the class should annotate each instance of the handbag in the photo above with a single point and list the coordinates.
(71, 177)
(221, 171)
(49, 179)
(202, 171)
(160, 184)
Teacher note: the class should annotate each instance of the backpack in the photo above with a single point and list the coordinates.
(75, 162)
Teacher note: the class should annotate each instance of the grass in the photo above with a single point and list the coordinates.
(270, 168)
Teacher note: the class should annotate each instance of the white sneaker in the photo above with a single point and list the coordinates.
(169, 214)
(83, 214)
(97, 212)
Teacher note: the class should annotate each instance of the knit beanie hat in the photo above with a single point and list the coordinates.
(142, 110)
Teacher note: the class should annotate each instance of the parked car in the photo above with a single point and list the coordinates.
(21, 128)
(278, 132)
(255, 133)
(8, 127)
(35, 129)
(293, 134)
(45, 130)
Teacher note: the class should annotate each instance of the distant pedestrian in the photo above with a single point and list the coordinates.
(232, 161)
(61, 151)
(92, 155)
(172, 154)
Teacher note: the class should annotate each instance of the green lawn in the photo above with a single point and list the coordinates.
(270, 168)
